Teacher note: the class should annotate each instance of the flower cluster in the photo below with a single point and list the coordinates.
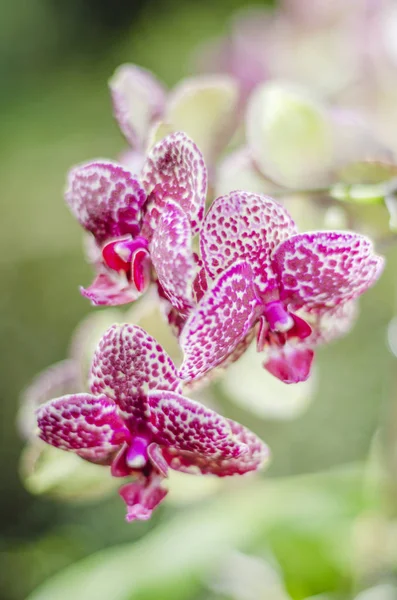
(140, 225)
(224, 277)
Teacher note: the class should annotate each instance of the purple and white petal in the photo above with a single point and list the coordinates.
(110, 289)
(200, 285)
(172, 257)
(106, 199)
(180, 423)
(175, 170)
(244, 226)
(142, 497)
(219, 322)
(256, 458)
(240, 349)
(331, 324)
(326, 268)
(59, 379)
(84, 424)
(174, 318)
(138, 100)
(127, 364)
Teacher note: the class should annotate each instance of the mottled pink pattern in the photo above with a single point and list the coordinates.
(138, 424)
(175, 170)
(329, 324)
(112, 205)
(58, 379)
(221, 320)
(172, 256)
(87, 425)
(239, 350)
(138, 101)
(110, 289)
(188, 462)
(315, 274)
(325, 268)
(126, 365)
(200, 285)
(243, 226)
(106, 199)
(187, 425)
(142, 497)
(175, 320)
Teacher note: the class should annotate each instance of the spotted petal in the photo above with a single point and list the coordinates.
(180, 423)
(255, 458)
(58, 379)
(243, 226)
(200, 285)
(221, 320)
(172, 256)
(175, 170)
(138, 100)
(110, 289)
(127, 364)
(326, 268)
(328, 325)
(84, 424)
(106, 199)
(142, 497)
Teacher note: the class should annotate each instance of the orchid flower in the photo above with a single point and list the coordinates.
(292, 291)
(204, 107)
(43, 468)
(142, 229)
(136, 422)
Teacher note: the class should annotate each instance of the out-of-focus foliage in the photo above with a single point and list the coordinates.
(174, 561)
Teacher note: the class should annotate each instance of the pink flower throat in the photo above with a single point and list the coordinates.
(277, 325)
(131, 257)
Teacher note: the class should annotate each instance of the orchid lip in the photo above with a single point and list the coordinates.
(118, 253)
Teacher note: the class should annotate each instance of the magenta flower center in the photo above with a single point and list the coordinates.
(133, 456)
(130, 257)
(277, 317)
(277, 326)
(136, 456)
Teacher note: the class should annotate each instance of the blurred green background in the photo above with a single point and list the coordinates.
(55, 59)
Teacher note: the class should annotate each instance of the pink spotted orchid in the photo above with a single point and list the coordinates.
(293, 291)
(136, 421)
(142, 229)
